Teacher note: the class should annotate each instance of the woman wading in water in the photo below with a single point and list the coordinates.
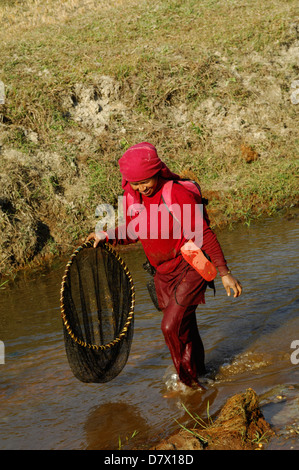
(180, 288)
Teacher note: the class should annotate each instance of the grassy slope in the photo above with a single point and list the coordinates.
(207, 82)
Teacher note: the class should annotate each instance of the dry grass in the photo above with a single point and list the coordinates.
(207, 82)
(18, 15)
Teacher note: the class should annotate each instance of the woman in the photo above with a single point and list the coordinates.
(180, 289)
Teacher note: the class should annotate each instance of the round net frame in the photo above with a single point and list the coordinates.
(97, 308)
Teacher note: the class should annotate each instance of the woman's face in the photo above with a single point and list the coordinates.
(145, 187)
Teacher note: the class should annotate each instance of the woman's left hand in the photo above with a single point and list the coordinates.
(230, 282)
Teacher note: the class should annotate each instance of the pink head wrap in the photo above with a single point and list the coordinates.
(141, 162)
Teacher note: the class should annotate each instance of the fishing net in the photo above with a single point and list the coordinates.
(97, 309)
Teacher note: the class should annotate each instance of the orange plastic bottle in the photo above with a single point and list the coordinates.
(195, 257)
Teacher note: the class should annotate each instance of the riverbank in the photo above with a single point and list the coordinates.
(246, 421)
(240, 425)
(218, 98)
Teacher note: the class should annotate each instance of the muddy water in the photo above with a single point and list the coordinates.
(247, 340)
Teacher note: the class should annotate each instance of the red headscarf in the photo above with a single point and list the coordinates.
(140, 162)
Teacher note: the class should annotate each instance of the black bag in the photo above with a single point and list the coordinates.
(151, 284)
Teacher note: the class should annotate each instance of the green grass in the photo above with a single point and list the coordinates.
(197, 79)
(166, 48)
(197, 424)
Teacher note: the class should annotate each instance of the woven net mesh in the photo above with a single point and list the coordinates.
(97, 308)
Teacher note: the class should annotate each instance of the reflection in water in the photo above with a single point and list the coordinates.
(114, 421)
(247, 342)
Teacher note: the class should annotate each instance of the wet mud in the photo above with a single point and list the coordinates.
(240, 425)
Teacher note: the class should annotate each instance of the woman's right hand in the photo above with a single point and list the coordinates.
(99, 237)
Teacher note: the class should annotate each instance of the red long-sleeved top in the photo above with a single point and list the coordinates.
(164, 253)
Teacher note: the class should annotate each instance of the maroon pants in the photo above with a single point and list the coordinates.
(181, 334)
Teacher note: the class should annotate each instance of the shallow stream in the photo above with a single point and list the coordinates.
(248, 343)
